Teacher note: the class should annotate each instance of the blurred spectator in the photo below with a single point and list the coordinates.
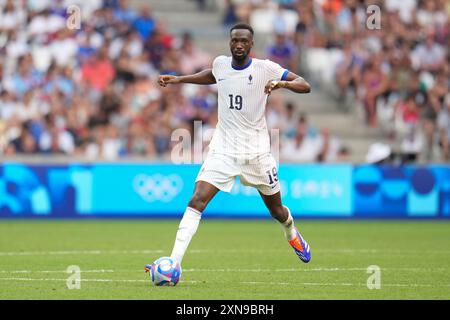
(332, 149)
(348, 72)
(63, 48)
(428, 56)
(145, 23)
(405, 9)
(55, 138)
(407, 118)
(374, 83)
(309, 145)
(205, 101)
(111, 145)
(123, 13)
(305, 146)
(192, 59)
(230, 16)
(159, 48)
(444, 128)
(25, 143)
(98, 72)
(283, 52)
(11, 16)
(43, 25)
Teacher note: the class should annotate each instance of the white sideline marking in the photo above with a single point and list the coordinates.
(235, 270)
(84, 280)
(54, 271)
(99, 252)
(349, 284)
(312, 270)
(329, 284)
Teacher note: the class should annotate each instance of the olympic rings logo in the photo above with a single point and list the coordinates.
(157, 187)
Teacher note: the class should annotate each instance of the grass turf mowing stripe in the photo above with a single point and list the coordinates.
(224, 257)
(200, 251)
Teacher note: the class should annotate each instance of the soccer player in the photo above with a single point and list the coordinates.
(240, 145)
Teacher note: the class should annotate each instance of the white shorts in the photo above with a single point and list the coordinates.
(221, 171)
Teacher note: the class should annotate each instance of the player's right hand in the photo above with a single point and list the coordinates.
(164, 80)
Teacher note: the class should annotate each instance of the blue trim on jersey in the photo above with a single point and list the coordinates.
(243, 67)
(285, 74)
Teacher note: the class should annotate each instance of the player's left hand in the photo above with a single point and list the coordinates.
(166, 79)
(272, 85)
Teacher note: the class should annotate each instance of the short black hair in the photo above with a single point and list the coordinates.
(242, 26)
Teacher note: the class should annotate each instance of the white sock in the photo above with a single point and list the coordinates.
(288, 226)
(186, 230)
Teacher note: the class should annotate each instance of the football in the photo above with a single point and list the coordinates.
(164, 271)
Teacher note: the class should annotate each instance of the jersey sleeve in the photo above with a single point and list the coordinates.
(274, 71)
(215, 66)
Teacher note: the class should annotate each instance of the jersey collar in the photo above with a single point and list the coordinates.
(243, 67)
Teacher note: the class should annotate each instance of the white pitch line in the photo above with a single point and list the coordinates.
(84, 280)
(348, 284)
(329, 269)
(377, 251)
(314, 270)
(54, 271)
(325, 284)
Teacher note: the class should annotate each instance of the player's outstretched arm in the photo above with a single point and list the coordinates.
(202, 77)
(293, 82)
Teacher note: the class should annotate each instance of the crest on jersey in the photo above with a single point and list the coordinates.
(250, 78)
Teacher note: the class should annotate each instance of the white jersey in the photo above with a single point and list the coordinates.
(241, 129)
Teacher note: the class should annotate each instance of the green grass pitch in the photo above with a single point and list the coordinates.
(226, 260)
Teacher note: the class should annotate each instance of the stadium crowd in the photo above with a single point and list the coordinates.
(399, 74)
(91, 91)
